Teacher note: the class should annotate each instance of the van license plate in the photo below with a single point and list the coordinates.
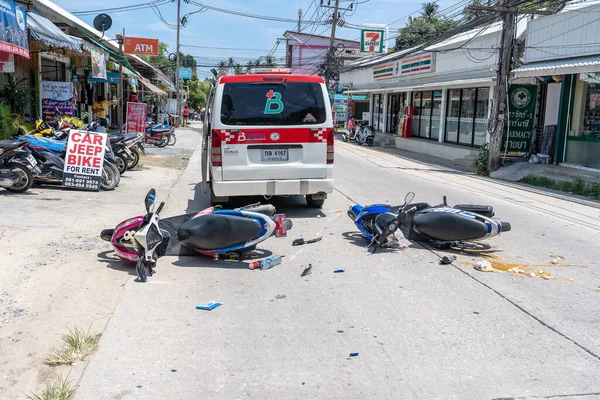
(274, 155)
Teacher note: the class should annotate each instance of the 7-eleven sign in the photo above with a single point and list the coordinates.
(372, 41)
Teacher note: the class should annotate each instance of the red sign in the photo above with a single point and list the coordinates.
(136, 117)
(84, 160)
(141, 46)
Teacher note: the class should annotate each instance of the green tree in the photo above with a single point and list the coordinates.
(238, 70)
(430, 10)
(249, 66)
(269, 61)
(421, 29)
(198, 92)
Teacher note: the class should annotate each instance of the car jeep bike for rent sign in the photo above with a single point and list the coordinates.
(521, 113)
(84, 160)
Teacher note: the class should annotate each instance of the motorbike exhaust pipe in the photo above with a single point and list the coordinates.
(6, 183)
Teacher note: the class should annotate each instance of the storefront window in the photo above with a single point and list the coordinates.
(466, 118)
(394, 112)
(426, 107)
(417, 102)
(377, 118)
(436, 107)
(583, 144)
(425, 125)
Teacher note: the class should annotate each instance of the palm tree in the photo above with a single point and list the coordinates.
(249, 66)
(269, 61)
(230, 64)
(430, 10)
(222, 67)
(238, 70)
(257, 62)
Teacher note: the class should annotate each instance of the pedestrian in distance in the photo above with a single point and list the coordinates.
(186, 113)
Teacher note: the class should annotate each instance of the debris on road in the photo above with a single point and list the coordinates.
(209, 305)
(353, 355)
(484, 266)
(270, 262)
(446, 260)
(307, 271)
(301, 241)
(337, 271)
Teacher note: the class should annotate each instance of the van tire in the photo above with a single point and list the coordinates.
(313, 203)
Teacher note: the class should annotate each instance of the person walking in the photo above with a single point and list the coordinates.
(351, 127)
(186, 113)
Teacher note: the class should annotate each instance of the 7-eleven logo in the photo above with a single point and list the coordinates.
(372, 40)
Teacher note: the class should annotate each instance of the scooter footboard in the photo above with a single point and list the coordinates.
(171, 226)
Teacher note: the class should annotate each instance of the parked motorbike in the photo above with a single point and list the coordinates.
(364, 134)
(50, 155)
(440, 225)
(144, 239)
(159, 135)
(16, 165)
(125, 149)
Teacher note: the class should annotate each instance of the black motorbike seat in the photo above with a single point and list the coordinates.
(447, 226)
(10, 144)
(217, 231)
(160, 130)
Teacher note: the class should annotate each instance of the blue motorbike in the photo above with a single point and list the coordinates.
(440, 225)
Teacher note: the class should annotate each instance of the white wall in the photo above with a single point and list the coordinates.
(552, 104)
(569, 34)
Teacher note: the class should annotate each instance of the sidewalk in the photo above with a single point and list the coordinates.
(516, 172)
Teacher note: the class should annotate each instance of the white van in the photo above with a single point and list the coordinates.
(269, 135)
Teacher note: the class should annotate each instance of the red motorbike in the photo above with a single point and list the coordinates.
(158, 135)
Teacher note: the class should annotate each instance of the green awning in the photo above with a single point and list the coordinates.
(115, 56)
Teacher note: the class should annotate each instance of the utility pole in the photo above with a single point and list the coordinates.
(330, 55)
(120, 86)
(507, 45)
(177, 64)
(299, 20)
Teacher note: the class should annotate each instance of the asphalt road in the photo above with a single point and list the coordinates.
(422, 330)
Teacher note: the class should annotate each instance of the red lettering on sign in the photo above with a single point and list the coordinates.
(96, 163)
(72, 159)
(98, 140)
(75, 137)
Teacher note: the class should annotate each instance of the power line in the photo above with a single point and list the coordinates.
(132, 7)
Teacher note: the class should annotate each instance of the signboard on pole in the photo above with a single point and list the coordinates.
(140, 46)
(57, 100)
(372, 41)
(84, 160)
(13, 20)
(7, 62)
(185, 73)
(136, 117)
(521, 113)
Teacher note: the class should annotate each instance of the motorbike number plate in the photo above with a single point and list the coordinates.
(274, 155)
(31, 160)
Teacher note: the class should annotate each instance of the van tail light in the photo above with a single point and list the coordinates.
(330, 141)
(216, 158)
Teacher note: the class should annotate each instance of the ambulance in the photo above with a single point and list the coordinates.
(268, 133)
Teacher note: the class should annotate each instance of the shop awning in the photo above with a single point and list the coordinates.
(429, 83)
(45, 31)
(152, 87)
(559, 67)
(114, 55)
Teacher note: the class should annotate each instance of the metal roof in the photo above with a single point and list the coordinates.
(45, 31)
(559, 67)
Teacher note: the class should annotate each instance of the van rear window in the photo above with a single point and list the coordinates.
(273, 103)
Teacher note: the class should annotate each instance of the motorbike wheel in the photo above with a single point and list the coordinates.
(136, 159)
(25, 180)
(344, 138)
(122, 165)
(110, 177)
(142, 271)
(172, 140)
(162, 142)
(370, 141)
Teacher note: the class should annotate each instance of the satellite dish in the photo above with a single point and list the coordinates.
(102, 22)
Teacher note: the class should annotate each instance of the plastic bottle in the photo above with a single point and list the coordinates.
(270, 262)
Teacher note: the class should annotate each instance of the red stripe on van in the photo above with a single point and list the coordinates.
(273, 136)
(259, 78)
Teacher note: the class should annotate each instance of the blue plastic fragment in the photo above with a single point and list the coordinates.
(337, 271)
(209, 305)
(353, 354)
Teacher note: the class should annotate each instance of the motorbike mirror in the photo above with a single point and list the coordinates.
(149, 202)
(445, 202)
(410, 196)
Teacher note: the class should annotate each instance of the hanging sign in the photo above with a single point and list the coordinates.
(57, 101)
(136, 117)
(415, 65)
(185, 73)
(7, 62)
(521, 113)
(371, 41)
(13, 32)
(84, 160)
(140, 46)
(98, 64)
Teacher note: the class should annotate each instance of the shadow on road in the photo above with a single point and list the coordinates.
(113, 262)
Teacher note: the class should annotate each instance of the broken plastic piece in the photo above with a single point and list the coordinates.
(484, 266)
(446, 260)
(337, 271)
(301, 241)
(353, 354)
(307, 270)
(209, 305)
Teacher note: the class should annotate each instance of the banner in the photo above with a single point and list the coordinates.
(57, 100)
(136, 117)
(521, 113)
(140, 46)
(372, 40)
(13, 29)
(98, 64)
(185, 73)
(7, 62)
(84, 160)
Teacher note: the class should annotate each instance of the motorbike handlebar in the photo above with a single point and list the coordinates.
(160, 207)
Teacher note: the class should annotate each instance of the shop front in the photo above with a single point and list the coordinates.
(467, 116)
(395, 110)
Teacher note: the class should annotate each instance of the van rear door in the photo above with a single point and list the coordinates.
(274, 128)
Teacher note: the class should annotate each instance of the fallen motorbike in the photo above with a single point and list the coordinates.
(440, 225)
(16, 165)
(50, 155)
(364, 134)
(144, 239)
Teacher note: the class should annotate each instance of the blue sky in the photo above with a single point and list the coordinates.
(235, 36)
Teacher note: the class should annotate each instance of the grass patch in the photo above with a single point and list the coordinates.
(60, 389)
(78, 345)
(577, 186)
